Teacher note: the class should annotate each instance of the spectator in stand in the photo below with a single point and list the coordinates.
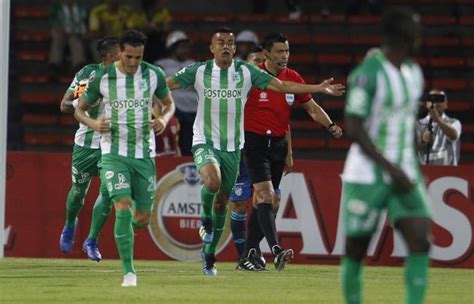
(107, 19)
(68, 26)
(438, 135)
(159, 18)
(260, 7)
(353, 7)
(154, 19)
(167, 142)
(294, 8)
(245, 41)
(179, 46)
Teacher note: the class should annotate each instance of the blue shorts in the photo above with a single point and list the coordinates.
(242, 190)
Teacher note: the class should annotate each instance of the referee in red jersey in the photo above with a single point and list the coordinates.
(267, 116)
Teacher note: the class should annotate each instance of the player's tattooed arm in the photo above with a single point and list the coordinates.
(101, 124)
(67, 103)
(166, 111)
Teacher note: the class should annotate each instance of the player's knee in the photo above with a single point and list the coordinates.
(211, 178)
(240, 207)
(78, 192)
(265, 195)
(123, 204)
(356, 248)
(220, 205)
(212, 184)
(276, 204)
(419, 244)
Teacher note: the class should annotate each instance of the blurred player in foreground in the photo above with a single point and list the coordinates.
(381, 170)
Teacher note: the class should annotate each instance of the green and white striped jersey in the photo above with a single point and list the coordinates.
(128, 102)
(222, 94)
(387, 98)
(85, 136)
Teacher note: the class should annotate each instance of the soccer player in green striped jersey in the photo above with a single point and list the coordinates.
(86, 155)
(222, 86)
(381, 169)
(128, 88)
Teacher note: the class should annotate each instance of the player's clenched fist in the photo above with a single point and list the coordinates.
(158, 125)
(102, 125)
(335, 130)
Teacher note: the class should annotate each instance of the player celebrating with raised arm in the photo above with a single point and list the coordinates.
(381, 169)
(86, 156)
(267, 116)
(127, 88)
(222, 85)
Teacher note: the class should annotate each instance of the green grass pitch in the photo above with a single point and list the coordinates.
(82, 281)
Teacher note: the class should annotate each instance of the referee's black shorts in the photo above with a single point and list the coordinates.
(265, 157)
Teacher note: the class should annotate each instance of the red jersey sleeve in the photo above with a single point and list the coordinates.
(301, 98)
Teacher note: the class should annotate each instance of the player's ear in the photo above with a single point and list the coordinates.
(211, 48)
(266, 53)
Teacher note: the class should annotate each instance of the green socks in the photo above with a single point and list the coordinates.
(124, 237)
(207, 199)
(74, 203)
(416, 277)
(351, 275)
(100, 212)
(218, 222)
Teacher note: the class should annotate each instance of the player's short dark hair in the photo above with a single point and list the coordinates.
(133, 38)
(106, 45)
(399, 26)
(256, 48)
(272, 38)
(223, 29)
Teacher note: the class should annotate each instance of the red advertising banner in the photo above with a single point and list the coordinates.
(309, 218)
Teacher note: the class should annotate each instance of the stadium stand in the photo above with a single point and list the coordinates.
(321, 47)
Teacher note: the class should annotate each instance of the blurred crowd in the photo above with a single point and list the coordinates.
(76, 28)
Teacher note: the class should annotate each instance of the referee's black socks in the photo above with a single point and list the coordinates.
(267, 223)
(254, 233)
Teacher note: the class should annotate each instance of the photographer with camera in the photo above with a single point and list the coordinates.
(438, 134)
